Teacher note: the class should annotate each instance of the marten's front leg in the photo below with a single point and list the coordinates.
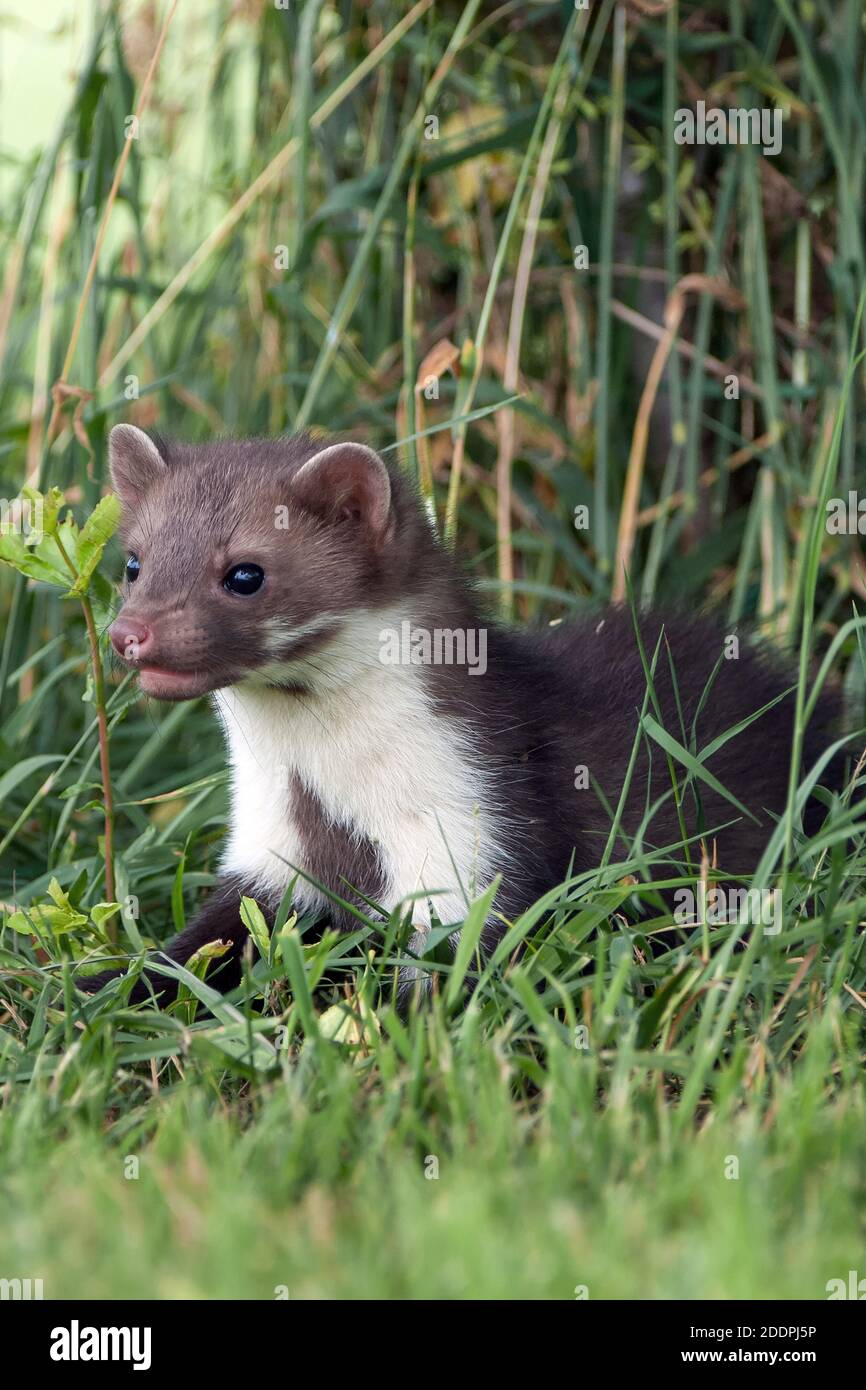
(218, 920)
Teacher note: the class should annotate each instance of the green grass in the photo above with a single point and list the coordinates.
(321, 1187)
(585, 1106)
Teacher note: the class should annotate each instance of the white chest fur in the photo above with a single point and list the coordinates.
(381, 762)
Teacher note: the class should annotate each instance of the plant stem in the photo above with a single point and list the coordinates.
(102, 734)
(104, 760)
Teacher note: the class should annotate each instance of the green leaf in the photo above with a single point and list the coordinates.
(96, 532)
(468, 944)
(32, 562)
(50, 503)
(177, 913)
(57, 895)
(58, 919)
(254, 920)
(211, 950)
(691, 763)
(353, 1025)
(9, 781)
(100, 913)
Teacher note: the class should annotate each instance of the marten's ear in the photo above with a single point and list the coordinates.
(135, 463)
(347, 482)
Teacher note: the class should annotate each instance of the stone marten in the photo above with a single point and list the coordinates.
(385, 738)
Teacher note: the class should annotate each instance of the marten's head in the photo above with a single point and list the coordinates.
(250, 556)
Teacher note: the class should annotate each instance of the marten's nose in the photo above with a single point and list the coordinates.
(131, 639)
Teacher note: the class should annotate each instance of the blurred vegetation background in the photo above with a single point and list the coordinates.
(387, 221)
(467, 232)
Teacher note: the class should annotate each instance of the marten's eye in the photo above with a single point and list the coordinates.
(244, 579)
(133, 566)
